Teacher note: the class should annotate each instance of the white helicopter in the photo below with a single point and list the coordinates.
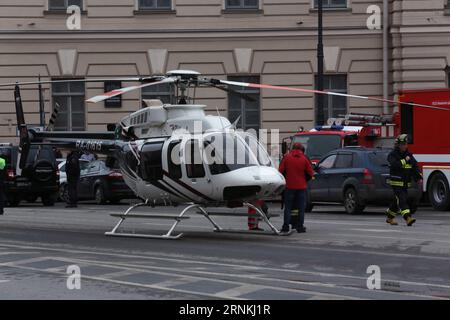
(157, 147)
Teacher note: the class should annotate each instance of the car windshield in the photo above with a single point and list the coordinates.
(226, 152)
(379, 159)
(37, 153)
(317, 145)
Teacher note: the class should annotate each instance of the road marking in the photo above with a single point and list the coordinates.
(147, 257)
(258, 277)
(239, 291)
(376, 230)
(118, 274)
(156, 286)
(24, 261)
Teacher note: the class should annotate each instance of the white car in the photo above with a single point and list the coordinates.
(62, 169)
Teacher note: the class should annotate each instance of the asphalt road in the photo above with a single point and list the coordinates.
(330, 261)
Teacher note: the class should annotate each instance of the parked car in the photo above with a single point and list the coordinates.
(39, 177)
(355, 177)
(100, 183)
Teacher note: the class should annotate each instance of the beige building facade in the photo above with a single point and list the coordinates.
(270, 41)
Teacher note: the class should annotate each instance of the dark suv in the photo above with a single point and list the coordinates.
(356, 177)
(39, 177)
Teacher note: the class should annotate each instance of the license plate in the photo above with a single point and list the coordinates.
(22, 184)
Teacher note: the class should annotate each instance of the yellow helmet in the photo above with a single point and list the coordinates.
(402, 139)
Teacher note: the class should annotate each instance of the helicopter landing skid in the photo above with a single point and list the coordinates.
(179, 218)
(274, 231)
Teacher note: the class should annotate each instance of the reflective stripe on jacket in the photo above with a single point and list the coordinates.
(402, 170)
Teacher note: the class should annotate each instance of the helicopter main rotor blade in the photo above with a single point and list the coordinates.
(69, 81)
(236, 93)
(120, 91)
(267, 86)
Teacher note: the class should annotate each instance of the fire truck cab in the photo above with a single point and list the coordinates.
(323, 139)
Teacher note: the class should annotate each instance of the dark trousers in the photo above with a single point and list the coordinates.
(2, 197)
(399, 203)
(72, 186)
(294, 198)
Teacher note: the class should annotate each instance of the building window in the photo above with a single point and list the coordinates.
(249, 111)
(333, 106)
(242, 4)
(331, 3)
(64, 4)
(155, 4)
(164, 92)
(114, 102)
(70, 98)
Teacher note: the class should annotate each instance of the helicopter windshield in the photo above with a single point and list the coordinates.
(256, 148)
(226, 152)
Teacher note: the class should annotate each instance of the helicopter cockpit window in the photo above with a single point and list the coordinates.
(257, 149)
(193, 160)
(227, 152)
(173, 159)
(151, 161)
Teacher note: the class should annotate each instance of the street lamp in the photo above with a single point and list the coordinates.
(320, 55)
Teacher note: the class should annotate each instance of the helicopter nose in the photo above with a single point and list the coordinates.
(271, 181)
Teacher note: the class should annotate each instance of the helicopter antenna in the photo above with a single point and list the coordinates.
(234, 124)
(220, 117)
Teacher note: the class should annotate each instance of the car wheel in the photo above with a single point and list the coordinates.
(48, 200)
(99, 195)
(31, 199)
(352, 203)
(439, 192)
(13, 202)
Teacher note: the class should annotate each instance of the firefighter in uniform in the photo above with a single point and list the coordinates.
(253, 216)
(403, 167)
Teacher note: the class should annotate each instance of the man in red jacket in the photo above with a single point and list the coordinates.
(294, 166)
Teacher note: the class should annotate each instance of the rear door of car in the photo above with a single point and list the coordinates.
(380, 168)
(87, 179)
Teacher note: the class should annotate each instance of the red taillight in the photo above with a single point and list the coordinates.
(368, 177)
(10, 174)
(115, 175)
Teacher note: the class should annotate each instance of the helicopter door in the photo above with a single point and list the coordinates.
(194, 173)
(151, 162)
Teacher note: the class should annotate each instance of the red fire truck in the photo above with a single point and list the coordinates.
(428, 129)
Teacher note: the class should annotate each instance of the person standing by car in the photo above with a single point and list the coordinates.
(403, 167)
(73, 178)
(295, 166)
(2, 184)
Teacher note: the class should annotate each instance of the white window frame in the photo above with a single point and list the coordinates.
(260, 6)
(349, 5)
(136, 6)
(83, 7)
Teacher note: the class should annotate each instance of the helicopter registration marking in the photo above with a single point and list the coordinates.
(89, 145)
